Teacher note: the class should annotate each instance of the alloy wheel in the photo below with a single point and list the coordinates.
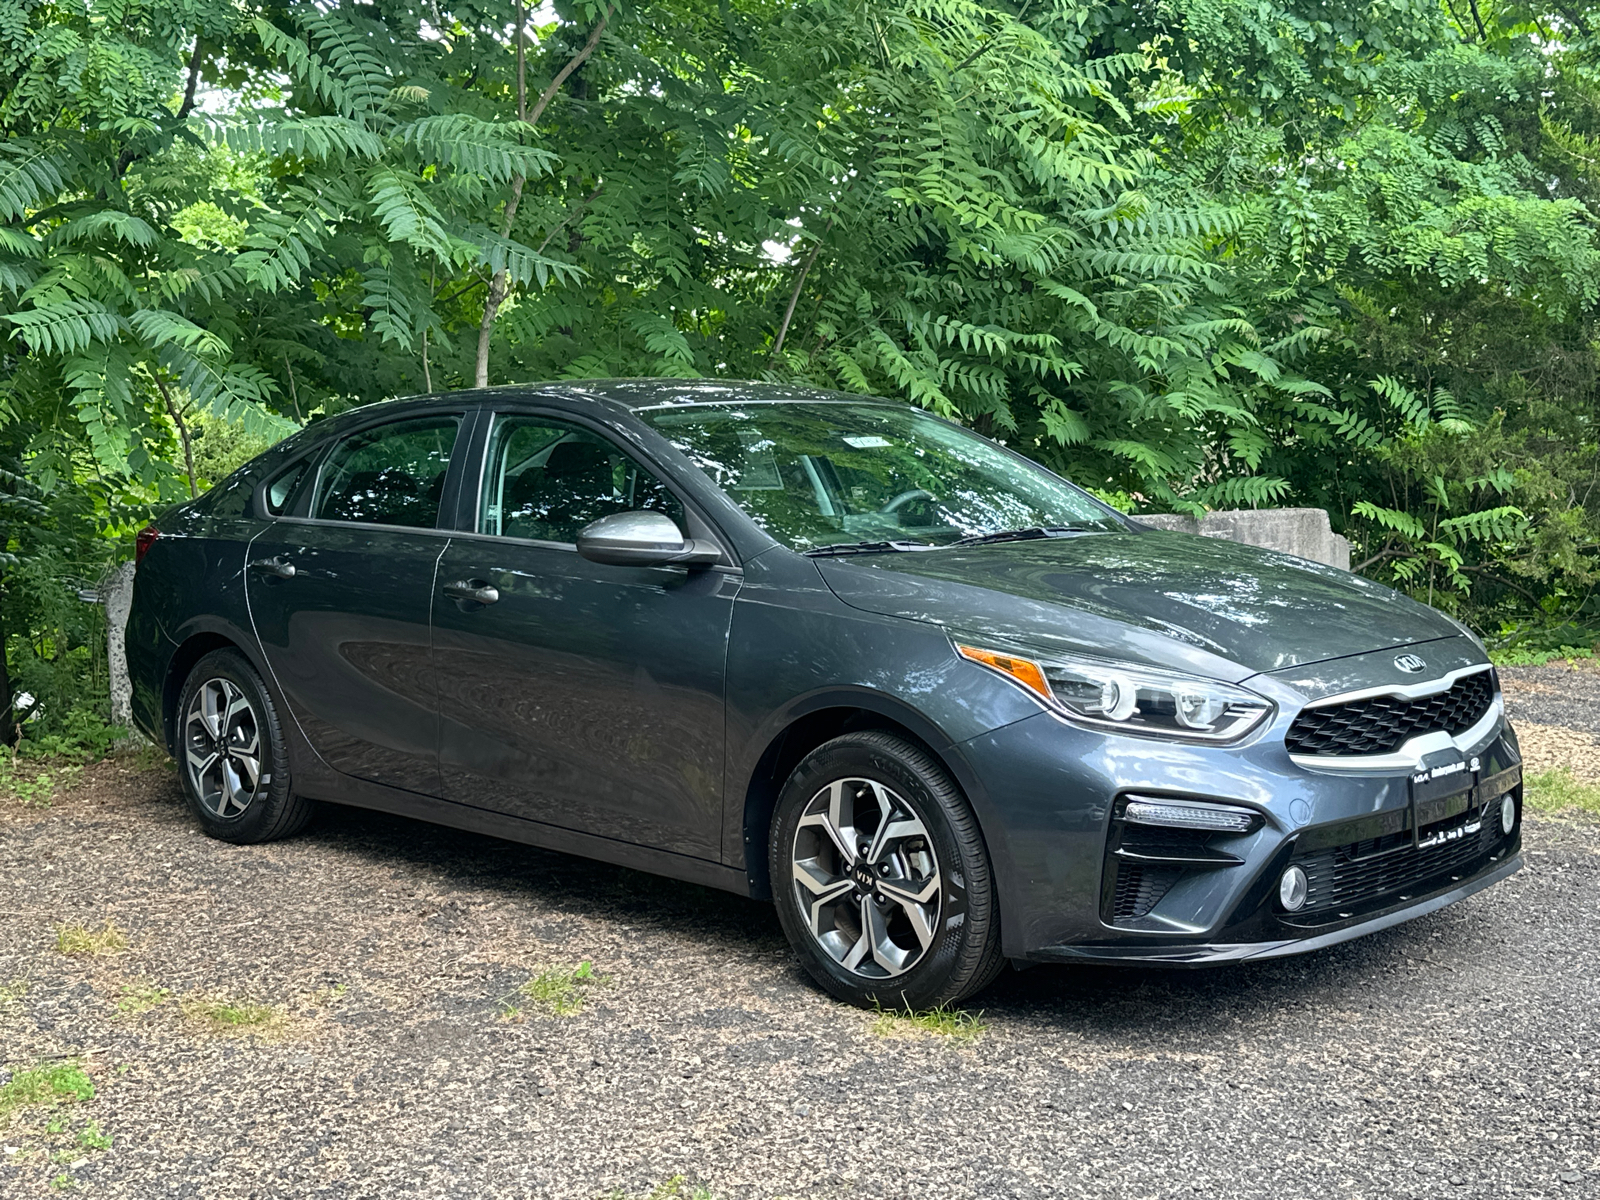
(222, 748)
(866, 878)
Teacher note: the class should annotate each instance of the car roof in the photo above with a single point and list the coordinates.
(636, 394)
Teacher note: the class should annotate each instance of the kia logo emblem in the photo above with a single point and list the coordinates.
(1410, 664)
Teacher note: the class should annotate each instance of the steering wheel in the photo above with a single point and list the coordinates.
(906, 498)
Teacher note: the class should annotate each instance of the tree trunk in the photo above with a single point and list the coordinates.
(497, 285)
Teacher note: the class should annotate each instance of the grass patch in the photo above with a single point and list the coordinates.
(231, 1016)
(58, 1083)
(79, 939)
(559, 990)
(955, 1023)
(1560, 791)
(11, 992)
(676, 1188)
(140, 998)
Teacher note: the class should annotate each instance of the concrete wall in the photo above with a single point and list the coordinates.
(1302, 531)
(117, 593)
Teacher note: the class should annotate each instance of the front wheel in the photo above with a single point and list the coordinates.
(881, 878)
(231, 756)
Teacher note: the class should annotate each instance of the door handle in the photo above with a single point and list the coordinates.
(474, 590)
(279, 567)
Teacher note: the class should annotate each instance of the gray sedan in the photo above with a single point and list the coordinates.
(940, 705)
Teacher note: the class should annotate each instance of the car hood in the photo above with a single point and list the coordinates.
(1174, 599)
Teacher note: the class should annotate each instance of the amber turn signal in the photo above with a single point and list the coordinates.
(1024, 670)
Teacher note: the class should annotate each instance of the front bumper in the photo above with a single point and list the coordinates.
(1215, 953)
(1378, 846)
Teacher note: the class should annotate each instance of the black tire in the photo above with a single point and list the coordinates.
(271, 810)
(963, 956)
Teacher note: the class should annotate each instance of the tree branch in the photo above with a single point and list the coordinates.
(1482, 32)
(1381, 556)
(578, 60)
(183, 433)
(567, 220)
(187, 106)
(1577, 21)
(294, 396)
(522, 64)
(1496, 577)
(460, 291)
(497, 285)
(794, 296)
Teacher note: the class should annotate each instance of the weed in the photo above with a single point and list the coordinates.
(561, 991)
(1538, 658)
(90, 1137)
(11, 992)
(140, 998)
(33, 783)
(676, 1188)
(231, 1016)
(79, 939)
(63, 1181)
(59, 1083)
(956, 1023)
(1561, 791)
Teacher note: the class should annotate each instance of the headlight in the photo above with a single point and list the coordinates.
(1131, 699)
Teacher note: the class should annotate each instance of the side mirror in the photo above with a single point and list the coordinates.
(642, 539)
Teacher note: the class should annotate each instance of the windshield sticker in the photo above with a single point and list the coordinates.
(867, 442)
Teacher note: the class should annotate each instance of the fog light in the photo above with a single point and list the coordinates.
(1508, 814)
(1292, 889)
(1189, 814)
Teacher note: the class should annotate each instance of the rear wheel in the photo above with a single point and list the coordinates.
(231, 755)
(881, 878)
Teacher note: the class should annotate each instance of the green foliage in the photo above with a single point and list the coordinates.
(1228, 253)
(1521, 657)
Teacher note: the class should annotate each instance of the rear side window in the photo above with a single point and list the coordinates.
(391, 475)
(281, 490)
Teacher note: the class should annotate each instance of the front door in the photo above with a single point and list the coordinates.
(581, 695)
(340, 598)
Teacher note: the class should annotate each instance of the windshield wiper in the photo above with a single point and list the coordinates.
(1022, 535)
(839, 548)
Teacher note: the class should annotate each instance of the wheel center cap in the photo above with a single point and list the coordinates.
(862, 874)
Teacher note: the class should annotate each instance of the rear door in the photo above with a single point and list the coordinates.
(581, 695)
(340, 598)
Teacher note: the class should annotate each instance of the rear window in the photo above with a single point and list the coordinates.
(390, 475)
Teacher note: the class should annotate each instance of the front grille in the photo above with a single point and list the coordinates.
(1346, 879)
(1382, 724)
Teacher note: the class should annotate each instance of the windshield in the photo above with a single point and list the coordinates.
(826, 474)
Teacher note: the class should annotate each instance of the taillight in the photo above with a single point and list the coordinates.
(142, 543)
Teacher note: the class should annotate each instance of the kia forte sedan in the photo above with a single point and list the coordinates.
(939, 705)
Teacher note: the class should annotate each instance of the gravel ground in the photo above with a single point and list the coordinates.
(1556, 709)
(1456, 1056)
(1556, 694)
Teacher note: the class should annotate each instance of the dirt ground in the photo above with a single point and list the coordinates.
(345, 1015)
